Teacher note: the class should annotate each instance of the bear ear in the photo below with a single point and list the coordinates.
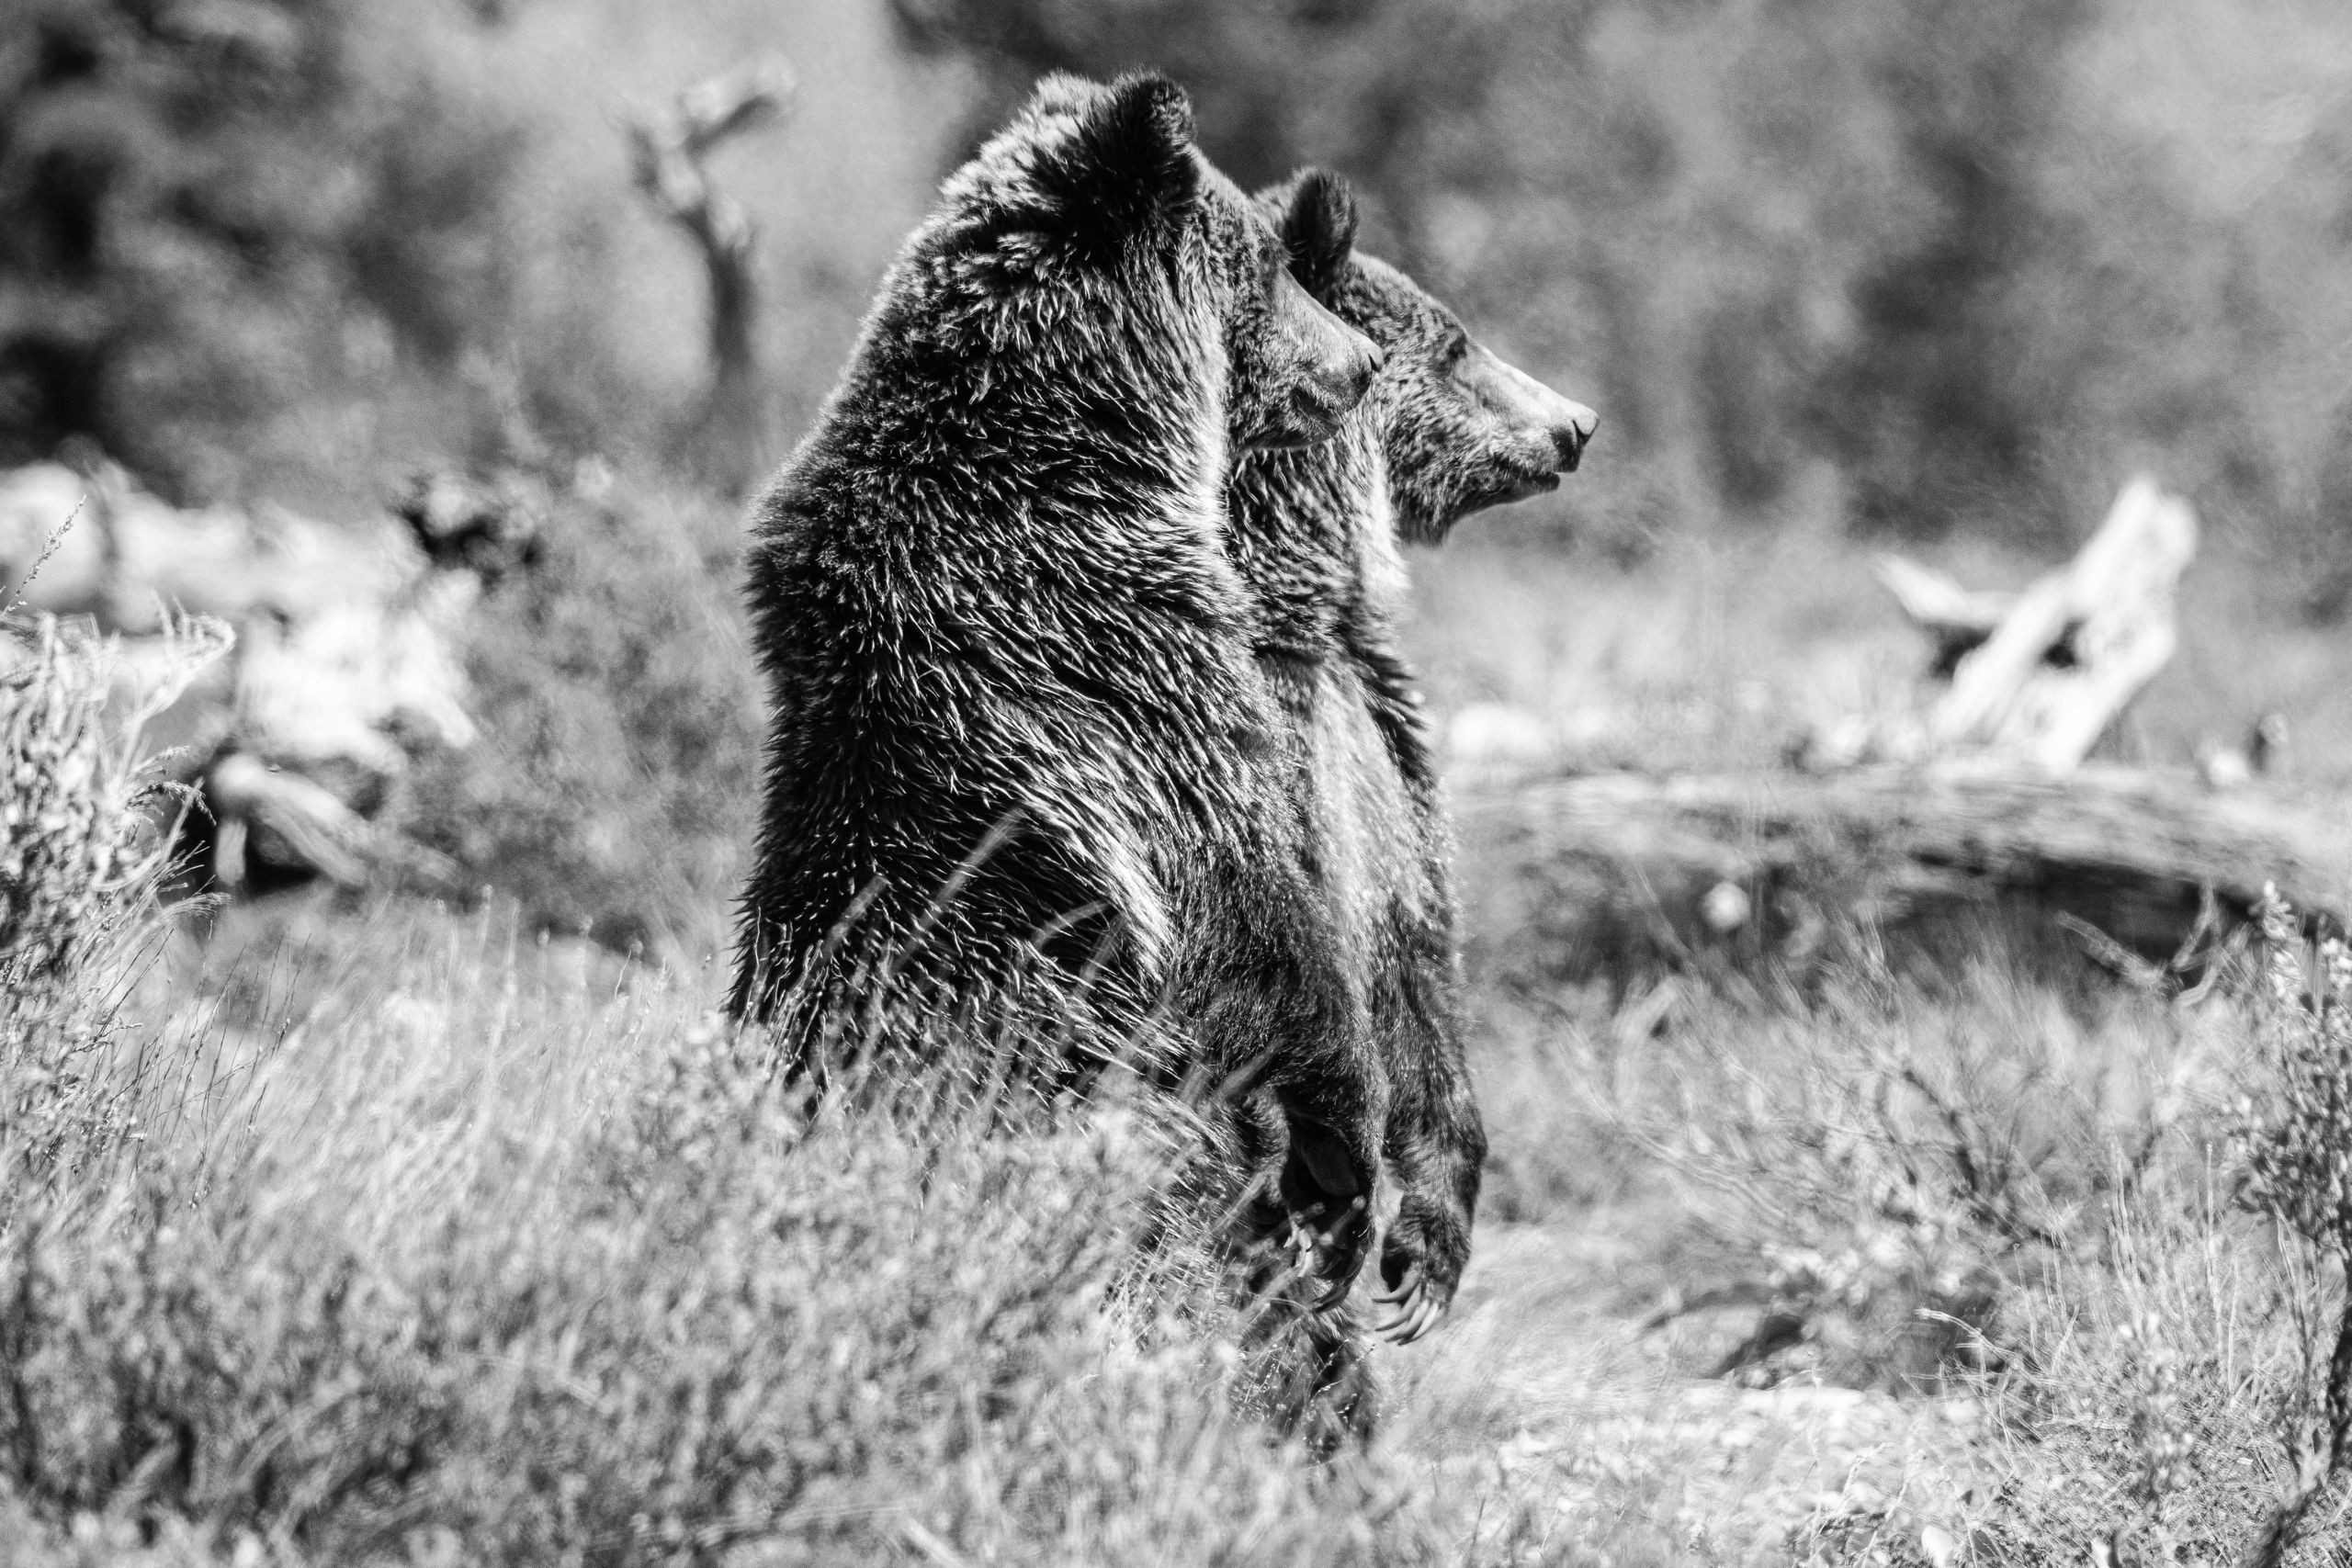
(1129, 160)
(1061, 92)
(1319, 227)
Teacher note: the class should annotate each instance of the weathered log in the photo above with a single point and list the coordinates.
(1609, 870)
(2112, 608)
(2037, 677)
(244, 794)
(1958, 619)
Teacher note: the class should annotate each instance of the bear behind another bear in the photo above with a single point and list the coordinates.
(1447, 429)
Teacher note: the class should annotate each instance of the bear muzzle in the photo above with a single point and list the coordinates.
(1571, 431)
(1332, 367)
(1554, 429)
(1333, 388)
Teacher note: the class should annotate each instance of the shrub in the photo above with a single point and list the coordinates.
(614, 789)
(2176, 1388)
(497, 1246)
(80, 856)
(2295, 1142)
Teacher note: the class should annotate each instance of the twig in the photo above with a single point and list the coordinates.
(56, 539)
(933, 1549)
(669, 148)
(2112, 955)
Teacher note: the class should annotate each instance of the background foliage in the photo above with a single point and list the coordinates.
(358, 1229)
(1969, 260)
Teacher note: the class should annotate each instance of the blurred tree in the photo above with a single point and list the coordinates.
(1661, 204)
(726, 434)
(1893, 234)
(1364, 85)
(1970, 262)
(215, 207)
(1941, 403)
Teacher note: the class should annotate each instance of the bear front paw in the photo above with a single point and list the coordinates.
(1325, 1190)
(1421, 1264)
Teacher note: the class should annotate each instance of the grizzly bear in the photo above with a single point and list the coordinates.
(1447, 429)
(1024, 779)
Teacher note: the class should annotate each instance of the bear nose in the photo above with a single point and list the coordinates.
(1574, 430)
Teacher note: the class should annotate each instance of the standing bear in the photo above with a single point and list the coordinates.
(1024, 779)
(1446, 430)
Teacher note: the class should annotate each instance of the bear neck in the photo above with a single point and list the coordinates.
(1300, 526)
(1110, 418)
(1312, 534)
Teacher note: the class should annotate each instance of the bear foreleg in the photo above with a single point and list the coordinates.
(1436, 1141)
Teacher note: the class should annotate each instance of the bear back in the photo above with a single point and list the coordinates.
(1013, 718)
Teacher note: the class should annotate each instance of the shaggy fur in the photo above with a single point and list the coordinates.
(1446, 430)
(1022, 774)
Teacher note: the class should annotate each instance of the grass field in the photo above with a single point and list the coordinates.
(376, 1232)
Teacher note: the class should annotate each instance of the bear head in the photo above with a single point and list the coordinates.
(1104, 178)
(1461, 429)
(1298, 370)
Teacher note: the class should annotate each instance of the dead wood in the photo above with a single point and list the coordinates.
(2035, 677)
(1958, 619)
(244, 794)
(1617, 870)
(2112, 609)
(669, 147)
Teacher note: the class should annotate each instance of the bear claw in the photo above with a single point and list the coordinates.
(1414, 1307)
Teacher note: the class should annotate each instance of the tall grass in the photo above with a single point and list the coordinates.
(81, 851)
(493, 1248)
(431, 1237)
(2106, 1221)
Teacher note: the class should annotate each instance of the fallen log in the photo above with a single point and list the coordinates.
(1610, 873)
(243, 794)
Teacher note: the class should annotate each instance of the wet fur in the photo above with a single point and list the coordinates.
(1022, 776)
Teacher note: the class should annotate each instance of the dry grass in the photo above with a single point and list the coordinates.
(442, 1242)
(1717, 648)
(2002, 1226)
(80, 853)
(400, 1235)
(478, 1248)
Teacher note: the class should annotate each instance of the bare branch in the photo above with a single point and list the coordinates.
(668, 147)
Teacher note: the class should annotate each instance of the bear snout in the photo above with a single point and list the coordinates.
(1355, 371)
(1538, 415)
(1572, 434)
(1342, 363)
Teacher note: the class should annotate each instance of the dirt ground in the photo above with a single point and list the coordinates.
(1549, 1357)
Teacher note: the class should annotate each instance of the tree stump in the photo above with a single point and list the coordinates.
(2075, 647)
